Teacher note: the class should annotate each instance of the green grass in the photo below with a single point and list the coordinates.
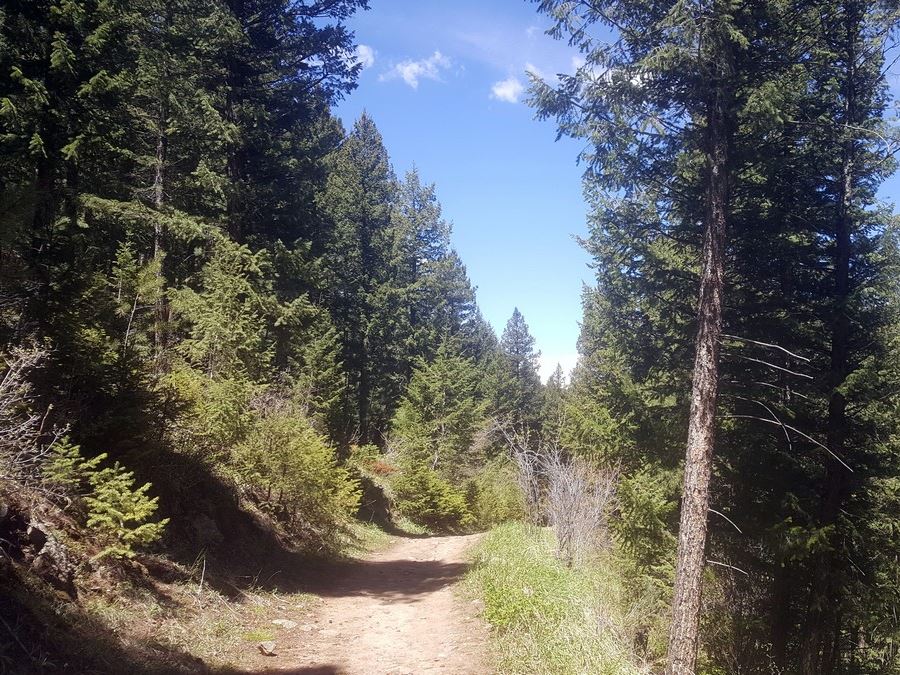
(259, 635)
(548, 618)
(361, 538)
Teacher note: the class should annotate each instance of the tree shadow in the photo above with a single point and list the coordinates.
(43, 634)
(308, 670)
(396, 580)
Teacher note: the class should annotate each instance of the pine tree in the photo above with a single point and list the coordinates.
(669, 92)
(553, 406)
(283, 66)
(515, 386)
(439, 414)
(358, 199)
(630, 390)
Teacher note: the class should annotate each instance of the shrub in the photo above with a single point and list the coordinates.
(20, 449)
(66, 470)
(578, 502)
(213, 415)
(118, 513)
(494, 495)
(290, 470)
(427, 499)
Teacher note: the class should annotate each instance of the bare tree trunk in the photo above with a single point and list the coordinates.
(683, 635)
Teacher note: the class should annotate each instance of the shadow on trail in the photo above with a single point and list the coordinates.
(402, 580)
(310, 670)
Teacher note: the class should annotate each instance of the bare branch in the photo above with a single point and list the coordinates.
(774, 418)
(721, 564)
(766, 344)
(795, 430)
(719, 513)
(772, 365)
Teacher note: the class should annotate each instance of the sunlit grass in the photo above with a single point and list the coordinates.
(546, 617)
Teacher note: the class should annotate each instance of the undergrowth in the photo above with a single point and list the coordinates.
(547, 617)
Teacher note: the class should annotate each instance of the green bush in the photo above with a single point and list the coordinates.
(494, 496)
(118, 513)
(213, 415)
(290, 470)
(427, 499)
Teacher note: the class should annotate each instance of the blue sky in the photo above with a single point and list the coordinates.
(444, 83)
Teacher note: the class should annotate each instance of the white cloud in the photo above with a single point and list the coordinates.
(365, 56)
(424, 69)
(577, 62)
(507, 90)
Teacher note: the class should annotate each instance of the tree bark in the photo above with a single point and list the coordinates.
(683, 635)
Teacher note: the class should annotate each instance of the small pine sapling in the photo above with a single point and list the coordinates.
(117, 512)
(120, 513)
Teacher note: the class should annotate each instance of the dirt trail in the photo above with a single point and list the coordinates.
(394, 612)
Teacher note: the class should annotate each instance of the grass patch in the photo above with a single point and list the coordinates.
(363, 538)
(259, 635)
(405, 525)
(548, 618)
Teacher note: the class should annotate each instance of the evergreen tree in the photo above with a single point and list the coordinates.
(359, 199)
(439, 414)
(553, 404)
(784, 201)
(515, 386)
(284, 64)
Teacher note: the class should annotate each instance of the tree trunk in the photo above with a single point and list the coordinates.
(161, 311)
(822, 603)
(683, 635)
(781, 621)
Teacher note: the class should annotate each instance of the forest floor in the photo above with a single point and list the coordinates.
(395, 611)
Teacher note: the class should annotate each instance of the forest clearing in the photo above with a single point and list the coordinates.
(517, 337)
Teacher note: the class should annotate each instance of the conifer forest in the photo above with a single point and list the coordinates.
(253, 419)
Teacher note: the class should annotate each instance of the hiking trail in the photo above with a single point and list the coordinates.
(394, 612)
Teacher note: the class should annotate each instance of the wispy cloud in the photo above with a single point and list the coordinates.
(424, 69)
(365, 56)
(508, 90)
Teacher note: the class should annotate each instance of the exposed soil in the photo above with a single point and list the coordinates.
(394, 612)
